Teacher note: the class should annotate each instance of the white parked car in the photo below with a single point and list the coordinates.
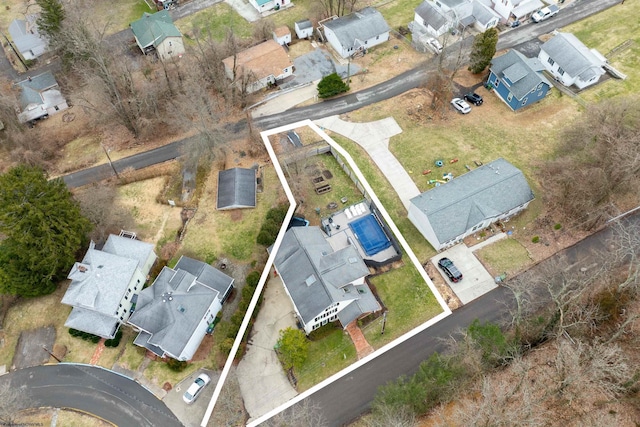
(434, 45)
(194, 389)
(545, 13)
(461, 105)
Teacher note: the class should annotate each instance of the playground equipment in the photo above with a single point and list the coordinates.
(453, 161)
(437, 182)
(426, 172)
(447, 176)
(439, 163)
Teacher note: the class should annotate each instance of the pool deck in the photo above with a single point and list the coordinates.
(339, 233)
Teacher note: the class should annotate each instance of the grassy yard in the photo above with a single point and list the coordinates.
(328, 355)
(61, 417)
(116, 15)
(398, 12)
(506, 255)
(214, 234)
(216, 20)
(605, 31)
(409, 302)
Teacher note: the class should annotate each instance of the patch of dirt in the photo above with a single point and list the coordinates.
(447, 293)
(236, 215)
(239, 274)
(204, 350)
(33, 347)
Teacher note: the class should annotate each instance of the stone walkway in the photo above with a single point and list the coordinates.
(374, 138)
(96, 354)
(363, 348)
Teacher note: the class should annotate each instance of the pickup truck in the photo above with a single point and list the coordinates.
(545, 13)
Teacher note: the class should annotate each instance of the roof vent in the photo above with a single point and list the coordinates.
(181, 309)
(100, 266)
(82, 268)
(170, 297)
(353, 260)
(310, 280)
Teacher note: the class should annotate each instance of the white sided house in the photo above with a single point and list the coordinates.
(515, 9)
(324, 284)
(257, 67)
(157, 32)
(571, 62)
(282, 35)
(173, 314)
(304, 29)
(447, 214)
(106, 284)
(357, 32)
(440, 16)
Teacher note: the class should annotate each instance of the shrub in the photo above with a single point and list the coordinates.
(115, 341)
(253, 278)
(557, 226)
(225, 345)
(176, 365)
(535, 239)
(95, 339)
(331, 85)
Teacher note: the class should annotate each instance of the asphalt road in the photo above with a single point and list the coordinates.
(523, 37)
(94, 390)
(346, 399)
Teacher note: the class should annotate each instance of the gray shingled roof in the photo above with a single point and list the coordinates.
(572, 55)
(26, 37)
(362, 25)
(34, 86)
(100, 281)
(169, 311)
(431, 15)
(315, 274)
(524, 73)
(236, 189)
(304, 24)
(482, 13)
(464, 202)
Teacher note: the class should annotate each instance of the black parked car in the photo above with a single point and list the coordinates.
(474, 98)
(450, 270)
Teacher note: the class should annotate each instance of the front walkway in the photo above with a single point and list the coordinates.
(244, 9)
(363, 348)
(374, 138)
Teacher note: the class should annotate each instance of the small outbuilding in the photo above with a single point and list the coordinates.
(304, 29)
(236, 189)
(282, 35)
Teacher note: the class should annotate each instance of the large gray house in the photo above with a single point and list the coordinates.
(173, 314)
(324, 284)
(447, 214)
(105, 285)
(356, 32)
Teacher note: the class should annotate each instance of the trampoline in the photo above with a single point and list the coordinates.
(370, 235)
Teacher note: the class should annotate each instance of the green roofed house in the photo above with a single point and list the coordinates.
(448, 213)
(156, 32)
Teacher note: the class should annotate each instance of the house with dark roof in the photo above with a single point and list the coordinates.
(267, 5)
(356, 32)
(236, 189)
(105, 285)
(40, 97)
(156, 32)
(323, 283)
(571, 62)
(518, 80)
(26, 37)
(173, 314)
(448, 213)
(259, 66)
(304, 29)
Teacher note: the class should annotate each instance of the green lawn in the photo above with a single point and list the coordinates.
(409, 302)
(398, 12)
(216, 20)
(289, 16)
(328, 355)
(506, 255)
(606, 31)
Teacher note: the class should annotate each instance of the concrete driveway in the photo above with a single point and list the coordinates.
(314, 66)
(191, 415)
(476, 279)
(263, 383)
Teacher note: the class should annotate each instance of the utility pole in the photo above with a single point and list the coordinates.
(110, 162)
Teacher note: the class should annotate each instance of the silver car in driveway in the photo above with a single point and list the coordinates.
(194, 389)
(461, 105)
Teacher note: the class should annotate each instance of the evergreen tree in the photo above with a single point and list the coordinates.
(482, 51)
(43, 229)
(331, 85)
(51, 17)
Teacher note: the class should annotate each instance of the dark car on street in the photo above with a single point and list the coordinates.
(450, 270)
(474, 98)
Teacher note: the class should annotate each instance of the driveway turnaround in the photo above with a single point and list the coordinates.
(374, 138)
(263, 383)
(476, 280)
(191, 415)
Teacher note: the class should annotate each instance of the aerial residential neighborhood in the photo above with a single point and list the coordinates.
(319, 213)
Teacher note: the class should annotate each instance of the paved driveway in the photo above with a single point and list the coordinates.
(191, 415)
(476, 279)
(263, 383)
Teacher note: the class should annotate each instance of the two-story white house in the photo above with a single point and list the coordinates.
(356, 32)
(173, 314)
(571, 62)
(105, 285)
(324, 285)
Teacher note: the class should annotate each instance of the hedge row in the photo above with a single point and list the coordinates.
(271, 225)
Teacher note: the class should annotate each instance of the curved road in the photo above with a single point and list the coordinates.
(521, 36)
(91, 389)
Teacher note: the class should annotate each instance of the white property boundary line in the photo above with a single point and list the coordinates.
(265, 274)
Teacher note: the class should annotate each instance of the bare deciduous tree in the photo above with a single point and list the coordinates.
(12, 401)
(305, 413)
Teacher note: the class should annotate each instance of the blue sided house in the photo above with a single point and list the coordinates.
(518, 80)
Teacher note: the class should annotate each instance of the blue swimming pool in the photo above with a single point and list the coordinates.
(370, 234)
